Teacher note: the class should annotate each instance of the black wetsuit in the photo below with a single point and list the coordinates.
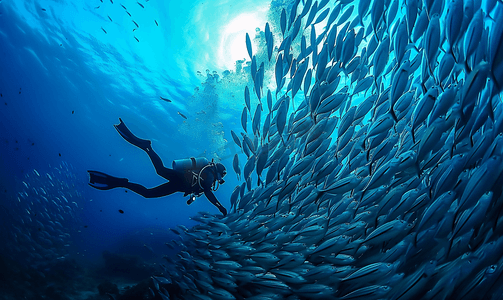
(178, 182)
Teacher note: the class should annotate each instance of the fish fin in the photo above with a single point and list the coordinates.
(393, 115)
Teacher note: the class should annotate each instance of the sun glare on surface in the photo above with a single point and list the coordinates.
(232, 41)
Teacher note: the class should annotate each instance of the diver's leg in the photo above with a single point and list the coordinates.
(146, 146)
(161, 170)
(165, 189)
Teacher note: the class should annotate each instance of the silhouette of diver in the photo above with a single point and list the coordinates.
(193, 176)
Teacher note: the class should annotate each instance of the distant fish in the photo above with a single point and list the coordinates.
(182, 115)
(128, 13)
(121, 211)
(94, 8)
(103, 30)
(112, 1)
(136, 24)
(156, 23)
(110, 18)
(136, 39)
(148, 248)
(165, 99)
(140, 4)
(43, 9)
(124, 7)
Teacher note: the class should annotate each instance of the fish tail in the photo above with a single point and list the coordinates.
(377, 38)
(467, 67)
(418, 169)
(451, 51)
(490, 110)
(393, 114)
(449, 248)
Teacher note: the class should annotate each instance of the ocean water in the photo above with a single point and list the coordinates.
(362, 140)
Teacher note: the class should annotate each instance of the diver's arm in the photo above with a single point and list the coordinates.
(209, 195)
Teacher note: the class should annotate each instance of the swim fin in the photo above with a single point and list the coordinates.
(130, 137)
(102, 181)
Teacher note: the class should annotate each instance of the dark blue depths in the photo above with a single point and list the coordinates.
(382, 179)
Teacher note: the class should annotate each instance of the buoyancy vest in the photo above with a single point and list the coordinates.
(192, 168)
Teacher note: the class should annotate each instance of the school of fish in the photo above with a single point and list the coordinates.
(373, 160)
(43, 218)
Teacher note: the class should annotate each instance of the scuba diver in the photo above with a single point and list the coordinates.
(193, 176)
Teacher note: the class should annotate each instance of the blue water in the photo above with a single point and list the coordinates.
(64, 83)
(315, 207)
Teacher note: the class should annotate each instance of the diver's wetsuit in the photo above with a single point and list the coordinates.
(185, 182)
(178, 182)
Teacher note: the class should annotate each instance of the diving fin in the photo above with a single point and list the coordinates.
(130, 137)
(102, 181)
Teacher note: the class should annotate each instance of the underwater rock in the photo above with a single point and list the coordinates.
(126, 266)
(107, 287)
(52, 293)
(141, 291)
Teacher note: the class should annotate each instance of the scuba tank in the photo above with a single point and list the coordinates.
(193, 167)
(182, 165)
